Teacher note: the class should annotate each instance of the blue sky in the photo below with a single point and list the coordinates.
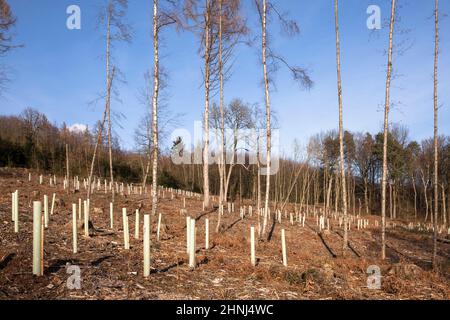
(59, 71)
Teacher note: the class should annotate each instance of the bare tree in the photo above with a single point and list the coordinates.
(116, 30)
(267, 102)
(207, 61)
(218, 25)
(290, 28)
(67, 168)
(231, 28)
(436, 134)
(161, 19)
(341, 126)
(155, 107)
(202, 18)
(386, 132)
(99, 136)
(7, 21)
(222, 164)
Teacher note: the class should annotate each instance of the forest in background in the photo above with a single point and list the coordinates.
(305, 177)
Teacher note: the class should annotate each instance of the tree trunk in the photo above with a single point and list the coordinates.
(258, 164)
(436, 172)
(146, 170)
(68, 170)
(390, 201)
(99, 137)
(415, 197)
(268, 120)
(341, 126)
(155, 109)
(386, 132)
(206, 115)
(336, 198)
(425, 193)
(448, 204)
(222, 121)
(108, 99)
(366, 199)
(394, 199)
(327, 206)
(444, 207)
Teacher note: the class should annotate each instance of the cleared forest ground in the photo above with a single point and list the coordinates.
(315, 269)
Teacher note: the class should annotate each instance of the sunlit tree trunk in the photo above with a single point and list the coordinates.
(146, 170)
(327, 203)
(444, 207)
(155, 108)
(258, 164)
(425, 193)
(386, 132)
(366, 198)
(390, 201)
(268, 120)
(222, 124)
(99, 136)
(436, 169)
(108, 99)
(341, 126)
(206, 113)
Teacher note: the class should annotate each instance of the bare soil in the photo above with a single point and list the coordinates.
(316, 269)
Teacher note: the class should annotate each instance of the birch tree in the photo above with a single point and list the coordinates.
(207, 56)
(155, 107)
(160, 20)
(166, 120)
(341, 126)
(99, 136)
(199, 13)
(269, 57)
(219, 25)
(231, 28)
(436, 136)
(116, 30)
(386, 132)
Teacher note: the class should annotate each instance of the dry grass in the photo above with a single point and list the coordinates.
(223, 272)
